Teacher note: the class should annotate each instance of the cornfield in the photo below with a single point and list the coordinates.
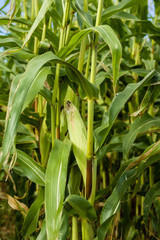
(79, 120)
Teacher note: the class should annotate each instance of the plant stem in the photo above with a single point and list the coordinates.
(91, 108)
(55, 114)
(36, 13)
(86, 76)
(74, 228)
(40, 98)
(25, 9)
(87, 231)
(99, 12)
(86, 5)
(50, 23)
(32, 10)
(151, 176)
(44, 30)
(91, 112)
(142, 198)
(69, 28)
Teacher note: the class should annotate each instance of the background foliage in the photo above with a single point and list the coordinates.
(79, 120)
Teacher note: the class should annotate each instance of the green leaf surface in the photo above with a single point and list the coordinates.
(42, 235)
(56, 175)
(125, 16)
(21, 139)
(55, 15)
(50, 35)
(112, 204)
(22, 86)
(63, 232)
(36, 85)
(117, 8)
(110, 39)
(140, 125)
(3, 67)
(81, 206)
(31, 168)
(4, 20)
(85, 16)
(11, 42)
(151, 195)
(44, 8)
(31, 219)
(116, 106)
(18, 53)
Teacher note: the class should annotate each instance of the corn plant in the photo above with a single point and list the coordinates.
(79, 119)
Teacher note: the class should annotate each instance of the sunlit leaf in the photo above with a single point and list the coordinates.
(31, 168)
(55, 181)
(81, 206)
(44, 8)
(31, 219)
(117, 104)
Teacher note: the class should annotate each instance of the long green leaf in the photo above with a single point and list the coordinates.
(116, 106)
(31, 168)
(44, 8)
(22, 87)
(3, 67)
(128, 177)
(42, 235)
(140, 125)
(151, 195)
(11, 42)
(81, 206)
(85, 16)
(110, 39)
(125, 16)
(36, 85)
(63, 232)
(117, 8)
(56, 175)
(31, 219)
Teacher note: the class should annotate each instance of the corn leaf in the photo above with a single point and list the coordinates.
(63, 232)
(11, 42)
(81, 206)
(3, 67)
(109, 38)
(36, 85)
(117, 104)
(22, 87)
(140, 125)
(151, 195)
(56, 175)
(125, 16)
(44, 8)
(31, 219)
(31, 168)
(112, 205)
(42, 235)
(119, 7)
(85, 16)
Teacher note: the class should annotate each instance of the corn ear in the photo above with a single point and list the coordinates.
(63, 125)
(44, 143)
(78, 136)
